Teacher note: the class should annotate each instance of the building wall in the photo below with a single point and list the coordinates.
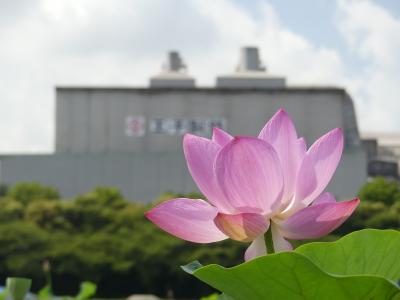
(92, 147)
(142, 176)
(94, 120)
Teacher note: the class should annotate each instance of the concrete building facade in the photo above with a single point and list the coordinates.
(383, 153)
(131, 138)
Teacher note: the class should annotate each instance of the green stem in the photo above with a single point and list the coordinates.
(268, 241)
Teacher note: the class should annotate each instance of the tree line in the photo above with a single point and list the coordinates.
(102, 237)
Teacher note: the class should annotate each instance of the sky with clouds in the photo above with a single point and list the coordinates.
(349, 43)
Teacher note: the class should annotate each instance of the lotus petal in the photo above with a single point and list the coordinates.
(324, 198)
(281, 134)
(221, 137)
(200, 154)
(317, 220)
(316, 170)
(257, 248)
(280, 243)
(249, 174)
(242, 227)
(188, 219)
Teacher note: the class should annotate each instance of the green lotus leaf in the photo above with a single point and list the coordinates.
(362, 265)
(290, 275)
(366, 252)
(18, 287)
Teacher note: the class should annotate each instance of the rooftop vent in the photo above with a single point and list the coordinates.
(173, 74)
(249, 60)
(250, 73)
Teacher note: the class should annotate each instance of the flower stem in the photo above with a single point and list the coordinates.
(268, 241)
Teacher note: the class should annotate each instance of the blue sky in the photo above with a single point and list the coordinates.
(348, 43)
(303, 16)
(316, 21)
(313, 19)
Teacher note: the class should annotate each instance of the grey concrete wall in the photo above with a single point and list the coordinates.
(142, 177)
(93, 149)
(93, 120)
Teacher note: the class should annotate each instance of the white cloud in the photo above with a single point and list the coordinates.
(123, 43)
(283, 50)
(372, 33)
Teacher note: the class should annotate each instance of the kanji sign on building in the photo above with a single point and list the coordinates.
(136, 125)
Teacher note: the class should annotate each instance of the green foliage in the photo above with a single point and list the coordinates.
(3, 295)
(3, 189)
(216, 296)
(101, 237)
(380, 190)
(386, 219)
(47, 214)
(213, 296)
(45, 293)
(11, 210)
(31, 191)
(379, 207)
(368, 251)
(95, 210)
(87, 291)
(364, 212)
(106, 197)
(17, 288)
(362, 265)
(22, 246)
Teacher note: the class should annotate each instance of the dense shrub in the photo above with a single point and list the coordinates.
(364, 212)
(10, 210)
(47, 214)
(380, 190)
(31, 191)
(101, 237)
(384, 220)
(22, 251)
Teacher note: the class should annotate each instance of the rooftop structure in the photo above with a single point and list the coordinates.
(250, 73)
(173, 74)
(383, 153)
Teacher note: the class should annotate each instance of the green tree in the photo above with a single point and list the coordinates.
(23, 248)
(361, 216)
(3, 189)
(107, 197)
(388, 219)
(380, 190)
(47, 214)
(95, 210)
(10, 210)
(27, 192)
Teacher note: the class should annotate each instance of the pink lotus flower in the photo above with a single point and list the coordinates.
(255, 184)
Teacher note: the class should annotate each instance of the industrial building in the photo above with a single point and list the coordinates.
(131, 138)
(383, 150)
